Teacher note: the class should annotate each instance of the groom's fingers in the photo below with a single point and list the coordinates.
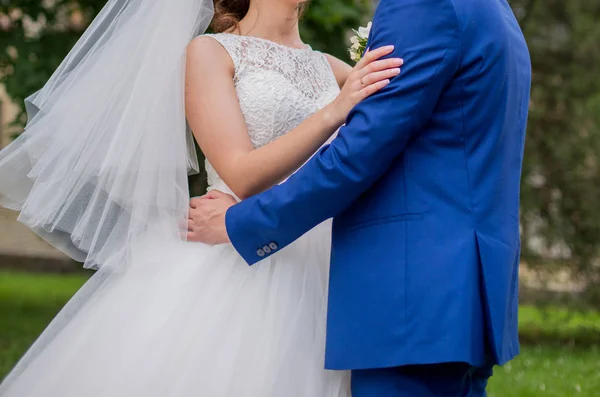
(184, 224)
(194, 202)
(215, 194)
(184, 235)
(211, 195)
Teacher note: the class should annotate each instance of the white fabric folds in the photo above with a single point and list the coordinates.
(190, 320)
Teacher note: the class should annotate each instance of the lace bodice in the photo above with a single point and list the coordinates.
(278, 87)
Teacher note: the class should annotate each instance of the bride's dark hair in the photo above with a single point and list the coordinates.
(228, 13)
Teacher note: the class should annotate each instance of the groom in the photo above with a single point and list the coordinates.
(423, 184)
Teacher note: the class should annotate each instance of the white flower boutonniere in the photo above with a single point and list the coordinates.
(359, 42)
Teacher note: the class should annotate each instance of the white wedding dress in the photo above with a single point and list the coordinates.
(190, 320)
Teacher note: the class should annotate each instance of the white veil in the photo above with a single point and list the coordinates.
(106, 152)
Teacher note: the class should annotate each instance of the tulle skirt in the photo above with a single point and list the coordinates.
(187, 319)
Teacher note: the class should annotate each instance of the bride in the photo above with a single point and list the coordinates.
(101, 173)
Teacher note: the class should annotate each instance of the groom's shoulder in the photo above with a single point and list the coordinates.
(429, 12)
(437, 16)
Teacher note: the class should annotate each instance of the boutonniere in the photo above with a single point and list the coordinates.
(359, 42)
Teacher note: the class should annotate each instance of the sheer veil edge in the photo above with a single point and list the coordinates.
(106, 152)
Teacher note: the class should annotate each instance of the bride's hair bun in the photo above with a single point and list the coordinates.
(228, 13)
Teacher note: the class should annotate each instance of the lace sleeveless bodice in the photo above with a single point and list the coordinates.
(278, 87)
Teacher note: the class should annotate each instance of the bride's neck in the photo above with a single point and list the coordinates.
(276, 22)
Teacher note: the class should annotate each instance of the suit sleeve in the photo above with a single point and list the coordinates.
(426, 35)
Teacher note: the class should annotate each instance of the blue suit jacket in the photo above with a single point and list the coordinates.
(423, 182)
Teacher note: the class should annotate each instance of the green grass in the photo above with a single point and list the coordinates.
(27, 304)
(556, 371)
(561, 356)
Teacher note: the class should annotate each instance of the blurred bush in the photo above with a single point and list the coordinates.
(561, 178)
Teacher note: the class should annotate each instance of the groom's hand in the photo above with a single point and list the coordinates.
(206, 223)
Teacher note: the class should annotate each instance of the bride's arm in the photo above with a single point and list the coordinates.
(340, 69)
(214, 114)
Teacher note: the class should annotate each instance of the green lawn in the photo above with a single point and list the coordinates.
(561, 357)
(549, 371)
(27, 304)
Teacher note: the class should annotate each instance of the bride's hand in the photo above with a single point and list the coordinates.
(369, 75)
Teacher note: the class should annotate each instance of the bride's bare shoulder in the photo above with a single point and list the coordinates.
(341, 69)
(205, 51)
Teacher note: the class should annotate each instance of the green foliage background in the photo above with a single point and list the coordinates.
(561, 181)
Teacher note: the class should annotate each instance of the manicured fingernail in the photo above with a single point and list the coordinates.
(396, 71)
(399, 61)
(386, 82)
(389, 47)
